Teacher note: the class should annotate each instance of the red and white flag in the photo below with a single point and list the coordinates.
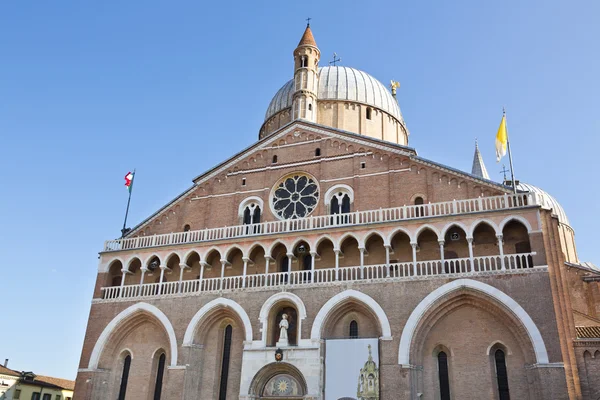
(129, 181)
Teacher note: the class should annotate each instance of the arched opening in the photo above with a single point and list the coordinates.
(115, 274)
(374, 250)
(226, 357)
(516, 241)
(126, 353)
(501, 374)
(353, 330)
(349, 255)
(235, 262)
(326, 258)
(344, 320)
(187, 228)
(439, 324)
(212, 268)
(276, 315)
(222, 330)
(428, 250)
(160, 370)
(444, 380)
(124, 377)
(419, 211)
(193, 262)
(172, 263)
(274, 159)
(369, 112)
(456, 251)
(135, 272)
(278, 381)
(400, 253)
(485, 242)
(257, 265)
(251, 214)
(304, 259)
(317, 152)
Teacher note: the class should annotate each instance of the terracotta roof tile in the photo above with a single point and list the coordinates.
(308, 38)
(62, 383)
(8, 371)
(587, 332)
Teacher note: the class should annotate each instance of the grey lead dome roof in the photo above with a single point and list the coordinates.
(342, 83)
(547, 201)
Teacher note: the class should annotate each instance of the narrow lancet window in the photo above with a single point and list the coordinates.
(443, 375)
(225, 363)
(124, 377)
(501, 375)
(159, 376)
(353, 329)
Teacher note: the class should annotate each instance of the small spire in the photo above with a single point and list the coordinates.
(370, 356)
(478, 168)
(307, 38)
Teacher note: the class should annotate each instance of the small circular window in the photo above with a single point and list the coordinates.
(295, 196)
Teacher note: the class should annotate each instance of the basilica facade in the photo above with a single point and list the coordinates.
(329, 253)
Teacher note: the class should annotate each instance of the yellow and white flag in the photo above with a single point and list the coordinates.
(501, 140)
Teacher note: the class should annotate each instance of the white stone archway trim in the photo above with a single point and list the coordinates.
(339, 298)
(271, 301)
(517, 218)
(124, 315)
(188, 338)
(339, 188)
(511, 305)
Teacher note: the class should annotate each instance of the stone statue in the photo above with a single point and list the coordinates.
(283, 336)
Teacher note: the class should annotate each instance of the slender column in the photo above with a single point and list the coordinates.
(223, 263)
(471, 258)
(387, 260)
(245, 259)
(441, 243)
(162, 275)
(337, 263)
(123, 273)
(313, 255)
(182, 267)
(144, 270)
(290, 257)
(201, 277)
(414, 254)
(501, 249)
(362, 262)
(267, 260)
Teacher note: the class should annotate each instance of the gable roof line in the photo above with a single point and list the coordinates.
(315, 128)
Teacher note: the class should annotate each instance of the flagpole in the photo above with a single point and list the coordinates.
(128, 201)
(512, 171)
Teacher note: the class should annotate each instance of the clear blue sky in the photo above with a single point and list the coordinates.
(91, 90)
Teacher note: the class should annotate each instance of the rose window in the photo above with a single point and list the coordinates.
(295, 196)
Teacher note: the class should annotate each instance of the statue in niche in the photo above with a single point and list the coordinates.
(292, 327)
(283, 328)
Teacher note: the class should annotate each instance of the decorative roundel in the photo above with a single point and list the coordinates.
(295, 196)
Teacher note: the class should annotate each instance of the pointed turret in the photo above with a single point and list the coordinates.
(307, 39)
(479, 169)
(306, 77)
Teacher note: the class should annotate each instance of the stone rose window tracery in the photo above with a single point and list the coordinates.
(295, 196)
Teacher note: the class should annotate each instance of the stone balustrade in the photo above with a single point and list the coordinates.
(382, 215)
(509, 263)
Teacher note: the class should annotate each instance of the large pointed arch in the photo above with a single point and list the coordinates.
(123, 316)
(338, 299)
(188, 338)
(509, 304)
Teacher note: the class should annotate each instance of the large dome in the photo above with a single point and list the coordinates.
(342, 83)
(547, 201)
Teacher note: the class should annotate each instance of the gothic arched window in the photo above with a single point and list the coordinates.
(124, 377)
(160, 370)
(225, 363)
(353, 329)
(501, 375)
(443, 376)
